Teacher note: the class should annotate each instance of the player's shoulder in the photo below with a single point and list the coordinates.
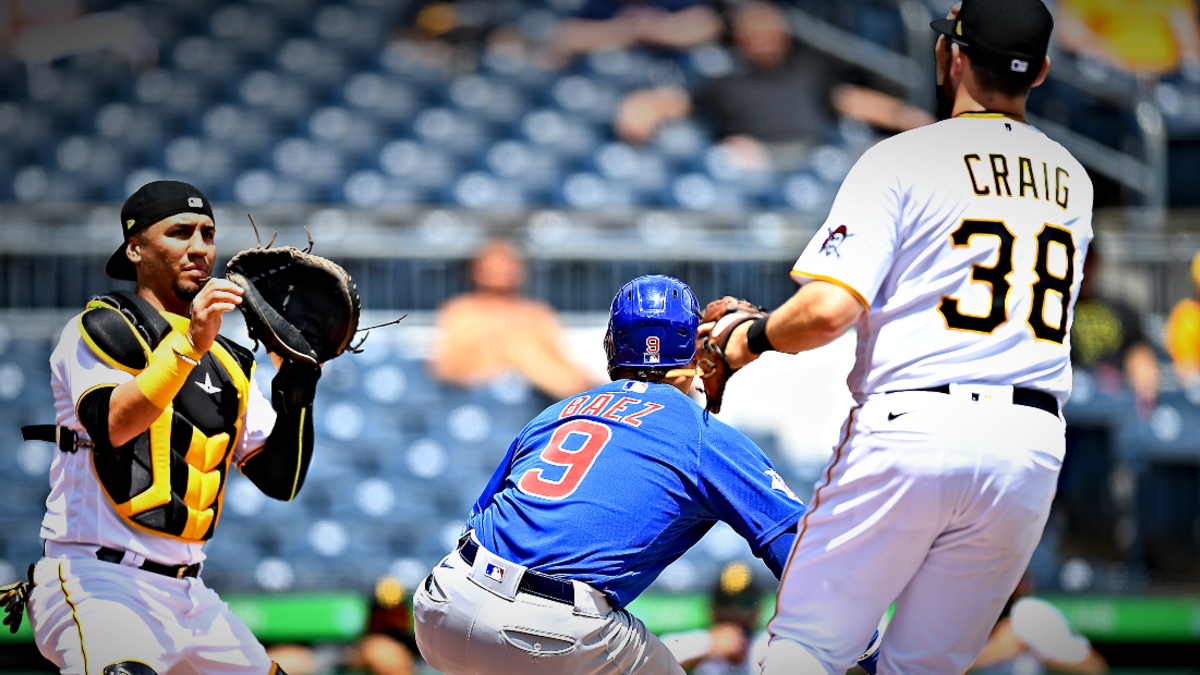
(718, 434)
(927, 137)
(69, 337)
(1062, 154)
(899, 153)
(110, 333)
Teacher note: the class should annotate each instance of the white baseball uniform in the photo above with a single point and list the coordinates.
(965, 241)
(87, 613)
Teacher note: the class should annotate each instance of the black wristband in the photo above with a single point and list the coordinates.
(756, 337)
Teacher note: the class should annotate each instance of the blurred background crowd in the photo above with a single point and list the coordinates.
(497, 169)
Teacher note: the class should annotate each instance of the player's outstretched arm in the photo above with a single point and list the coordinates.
(818, 313)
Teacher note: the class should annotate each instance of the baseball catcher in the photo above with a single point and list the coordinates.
(154, 409)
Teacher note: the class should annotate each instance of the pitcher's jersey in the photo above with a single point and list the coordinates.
(966, 240)
(611, 486)
(77, 509)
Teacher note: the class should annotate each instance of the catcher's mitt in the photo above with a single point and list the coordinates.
(727, 313)
(300, 306)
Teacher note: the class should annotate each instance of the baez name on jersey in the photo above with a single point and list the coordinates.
(602, 406)
(1025, 175)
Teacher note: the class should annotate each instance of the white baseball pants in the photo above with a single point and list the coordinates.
(467, 625)
(933, 501)
(87, 614)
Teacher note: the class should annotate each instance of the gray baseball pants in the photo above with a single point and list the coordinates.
(471, 620)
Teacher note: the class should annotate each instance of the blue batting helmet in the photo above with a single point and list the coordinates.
(652, 324)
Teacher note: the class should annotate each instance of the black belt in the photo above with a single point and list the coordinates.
(66, 439)
(1031, 398)
(112, 555)
(534, 583)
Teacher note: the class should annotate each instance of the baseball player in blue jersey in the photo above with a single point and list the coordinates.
(595, 497)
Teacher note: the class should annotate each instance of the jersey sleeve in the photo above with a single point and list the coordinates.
(77, 369)
(257, 423)
(498, 480)
(740, 487)
(856, 245)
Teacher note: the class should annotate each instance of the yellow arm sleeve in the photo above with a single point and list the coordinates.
(173, 361)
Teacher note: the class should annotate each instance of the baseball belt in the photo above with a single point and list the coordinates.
(534, 583)
(1031, 398)
(63, 437)
(112, 555)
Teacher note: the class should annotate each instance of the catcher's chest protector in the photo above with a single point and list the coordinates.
(170, 479)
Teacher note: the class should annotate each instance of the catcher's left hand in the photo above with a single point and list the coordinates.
(300, 306)
(717, 323)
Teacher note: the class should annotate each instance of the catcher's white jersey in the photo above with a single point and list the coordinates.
(966, 240)
(77, 510)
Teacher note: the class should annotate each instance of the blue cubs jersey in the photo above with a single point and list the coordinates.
(611, 486)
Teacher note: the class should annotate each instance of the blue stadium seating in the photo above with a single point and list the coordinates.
(327, 72)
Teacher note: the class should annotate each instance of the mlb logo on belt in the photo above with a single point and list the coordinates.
(494, 572)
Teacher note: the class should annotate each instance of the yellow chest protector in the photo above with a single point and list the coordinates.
(170, 479)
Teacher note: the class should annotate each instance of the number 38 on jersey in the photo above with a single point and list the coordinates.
(1051, 289)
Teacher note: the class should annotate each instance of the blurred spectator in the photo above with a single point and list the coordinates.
(734, 644)
(1140, 36)
(1183, 333)
(615, 24)
(493, 329)
(1031, 636)
(386, 648)
(1107, 338)
(38, 32)
(780, 104)
(458, 21)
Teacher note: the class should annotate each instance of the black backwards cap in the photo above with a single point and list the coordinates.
(150, 204)
(1004, 35)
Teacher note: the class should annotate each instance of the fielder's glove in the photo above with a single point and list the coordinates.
(300, 306)
(714, 371)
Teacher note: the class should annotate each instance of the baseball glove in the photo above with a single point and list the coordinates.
(300, 306)
(12, 602)
(726, 313)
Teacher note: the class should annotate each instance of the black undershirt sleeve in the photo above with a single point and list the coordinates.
(279, 468)
(93, 415)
